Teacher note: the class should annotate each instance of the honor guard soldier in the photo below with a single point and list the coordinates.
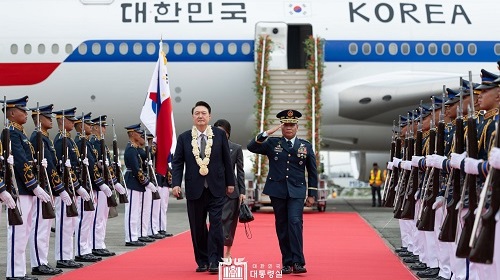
(28, 188)
(39, 237)
(68, 155)
(155, 207)
(164, 186)
(93, 180)
(102, 209)
(289, 158)
(137, 183)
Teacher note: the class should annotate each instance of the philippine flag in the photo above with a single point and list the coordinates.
(302, 9)
(157, 114)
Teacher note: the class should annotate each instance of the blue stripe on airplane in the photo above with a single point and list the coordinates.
(242, 51)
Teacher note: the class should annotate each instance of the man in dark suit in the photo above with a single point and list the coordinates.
(205, 153)
(289, 157)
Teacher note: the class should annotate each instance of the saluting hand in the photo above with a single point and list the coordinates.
(274, 129)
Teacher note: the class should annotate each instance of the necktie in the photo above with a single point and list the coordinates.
(203, 144)
(289, 144)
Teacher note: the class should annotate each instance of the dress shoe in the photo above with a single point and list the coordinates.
(166, 234)
(286, 269)
(405, 254)
(135, 243)
(102, 253)
(157, 236)
(401, 249)
(22, 278)
(411, 260)
(44, 270)
(429, 273)
(68, 264)
(298, 268)
(202, 268)
(418, 266)
(213, 268)
(146, 239)
(87, 258)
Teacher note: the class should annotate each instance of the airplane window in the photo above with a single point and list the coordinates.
(219, 48)
(459, 49)
(497, 49)
(393, 48)
(472, 49)
(433, 48)
(123, 48)
(178, 48)
(27, 49)
(82, 49)
(55, 48)
(205, 48)
(137, 48)
(96, 48)
(353, 48)
(151, 48)
(166, 48)
(41, 48)
(245, 48)
(110, 48)
(232, 48)
(14, 49)
(405, 49)
(419, 49)
(379, 48)
(367, 49)
(446, 49)
(191, 48)
(68, 48)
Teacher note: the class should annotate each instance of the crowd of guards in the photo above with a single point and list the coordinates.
(73, 184)
(444, 182)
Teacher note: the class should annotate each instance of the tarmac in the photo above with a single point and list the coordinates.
(379, 218)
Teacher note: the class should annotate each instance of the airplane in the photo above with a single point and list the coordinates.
(381, 58)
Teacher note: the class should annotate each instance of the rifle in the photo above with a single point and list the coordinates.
(463, 249)
(483, 245)
(151, 172)
(391, 193)
(111, 200)
(389, 177)
(85, 174)
(449, 226)
(14, 215)
(71, 210)
(409, 143)
(48, 210)
(117, 165)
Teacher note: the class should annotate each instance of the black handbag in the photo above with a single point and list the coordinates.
(245, 214)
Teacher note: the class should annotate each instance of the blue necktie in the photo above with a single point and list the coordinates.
(289, 144)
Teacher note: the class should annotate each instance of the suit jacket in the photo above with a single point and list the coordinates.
(287, 166)
(237, 161)
(220, 174)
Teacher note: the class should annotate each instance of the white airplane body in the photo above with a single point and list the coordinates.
(99, 55)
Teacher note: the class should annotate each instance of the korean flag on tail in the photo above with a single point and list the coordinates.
(298, 9)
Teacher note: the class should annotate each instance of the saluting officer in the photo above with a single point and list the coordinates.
(29, 190)
(289, 158)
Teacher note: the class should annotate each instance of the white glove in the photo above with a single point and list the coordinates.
(438, 161)
(417, 193)
(497, 216)
(65, 198)
(10, 159)
(150, 162)
(85, 161)
(7, 199)
(471, 164)
(119, 188)
(494, 158)
(44, 162)
(41, 194)
(390, 165)
(151, 187)
(415, 160)
(396, 161)
(406, 165)
(438, 203)
(106, 162)
(106, 190)
(67, 163)
(83, 194)
(429, 160)
(456, 159)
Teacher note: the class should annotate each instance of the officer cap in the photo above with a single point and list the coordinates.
(289, 116)
(426, 111)
(150, 136)
(19, 103)
(68, 113)
(453, 96)
(86, 119)
(135, 127)
(45, 110)
(487, 80)
(466, 88)
(102, 119)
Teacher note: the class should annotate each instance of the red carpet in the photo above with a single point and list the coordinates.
(337, 246)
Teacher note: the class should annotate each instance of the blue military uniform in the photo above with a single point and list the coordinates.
(287, 187)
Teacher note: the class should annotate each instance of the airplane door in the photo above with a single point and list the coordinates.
(277, 32)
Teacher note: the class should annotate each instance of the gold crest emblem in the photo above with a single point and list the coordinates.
(97, 175)
(56, 180)
(28, 173)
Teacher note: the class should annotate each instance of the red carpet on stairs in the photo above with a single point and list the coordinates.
(336, 246)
